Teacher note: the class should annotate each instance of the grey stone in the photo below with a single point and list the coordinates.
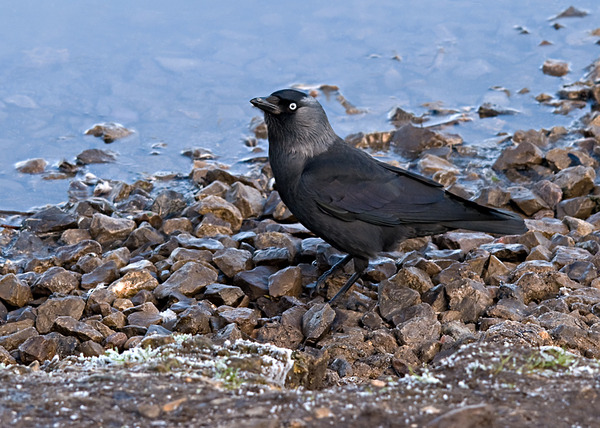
(575, 181)
(286, 282)
(247, 199)
(51, 219)
(245, 318)
(14, 340)
(51, 309)
(412, 277)
(394, 298)
(255, 282)
(132, 282)
(69, 326)
(70, 254)
(231, 261)
(37, 348)
(317, 321)
(194, 320)
(189, 280)
(13, 291)
(524, 154)
(144, 236)
(105, 229)
(57, 280)
(106, 273)
(470, 298)
(222, 294)
(168, 203)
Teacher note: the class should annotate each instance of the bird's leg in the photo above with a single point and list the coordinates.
(360, 265)
(335, 268)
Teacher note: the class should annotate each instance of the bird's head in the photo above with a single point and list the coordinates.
(296, 122)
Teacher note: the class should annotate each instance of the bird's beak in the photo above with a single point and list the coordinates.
(268, 105)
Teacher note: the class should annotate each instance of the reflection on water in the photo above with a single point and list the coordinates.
(182, 74)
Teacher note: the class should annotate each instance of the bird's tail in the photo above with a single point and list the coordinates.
(492, 220)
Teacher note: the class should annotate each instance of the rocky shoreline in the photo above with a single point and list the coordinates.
(224, 260)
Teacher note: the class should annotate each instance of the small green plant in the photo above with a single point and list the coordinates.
(550, 358)
(231, 377)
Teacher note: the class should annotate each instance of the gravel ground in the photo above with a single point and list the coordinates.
(186, 301)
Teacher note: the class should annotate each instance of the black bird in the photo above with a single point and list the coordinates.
(359, 205)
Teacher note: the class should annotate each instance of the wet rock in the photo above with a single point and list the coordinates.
(132, 283)
(534, 288)
(144, 236)
(247, 199)
(430, 164)
(73, 236)
(31, 166)
(470, 298)
(550, 193)
(108, 131)
(230, 332)
(37, 348)
(179, 224)
(410, 141)
(6, 358)
(51, 219)
(272, 256)
(522, 155)
(493, 110)
(579, 207)
(526, 200)
(57, 280)
(280, 335)
(547, 226)
(393, 298)
(506, 252)
(517, 333)
(105, 229)
(509, 309)
(493, 196)
(255, 282)
(222, 294)
(115, 320)
(70, 254)
(419, 329)
(575, 181)
(69, 326)
(92, 156)
(169, 203)
(583, 272)
(13, 291)
(317, 321)
(106, 273)
(188, 241)
(464, 241)
(220, 208)
(412, 277)
(286, 282)
(14, 340)
(566, 255)
(232, 261)
(15, 325)
(245, 318)
(90, 348)
(144, 318)
(53, 308)
(189, 280)
(555, 68)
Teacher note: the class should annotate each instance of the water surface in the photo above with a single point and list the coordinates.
(181, 73)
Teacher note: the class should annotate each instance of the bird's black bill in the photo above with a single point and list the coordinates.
(266, 104)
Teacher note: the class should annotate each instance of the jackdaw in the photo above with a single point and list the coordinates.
(359, 205)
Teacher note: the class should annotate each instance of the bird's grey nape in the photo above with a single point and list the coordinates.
(306, 133)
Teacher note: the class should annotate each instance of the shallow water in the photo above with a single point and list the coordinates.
(182, 73)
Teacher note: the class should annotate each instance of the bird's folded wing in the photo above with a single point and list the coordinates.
(368, 191)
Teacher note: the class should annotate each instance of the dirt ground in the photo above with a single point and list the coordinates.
(481, 385)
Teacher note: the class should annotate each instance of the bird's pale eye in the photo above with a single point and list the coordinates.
(292, 106)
